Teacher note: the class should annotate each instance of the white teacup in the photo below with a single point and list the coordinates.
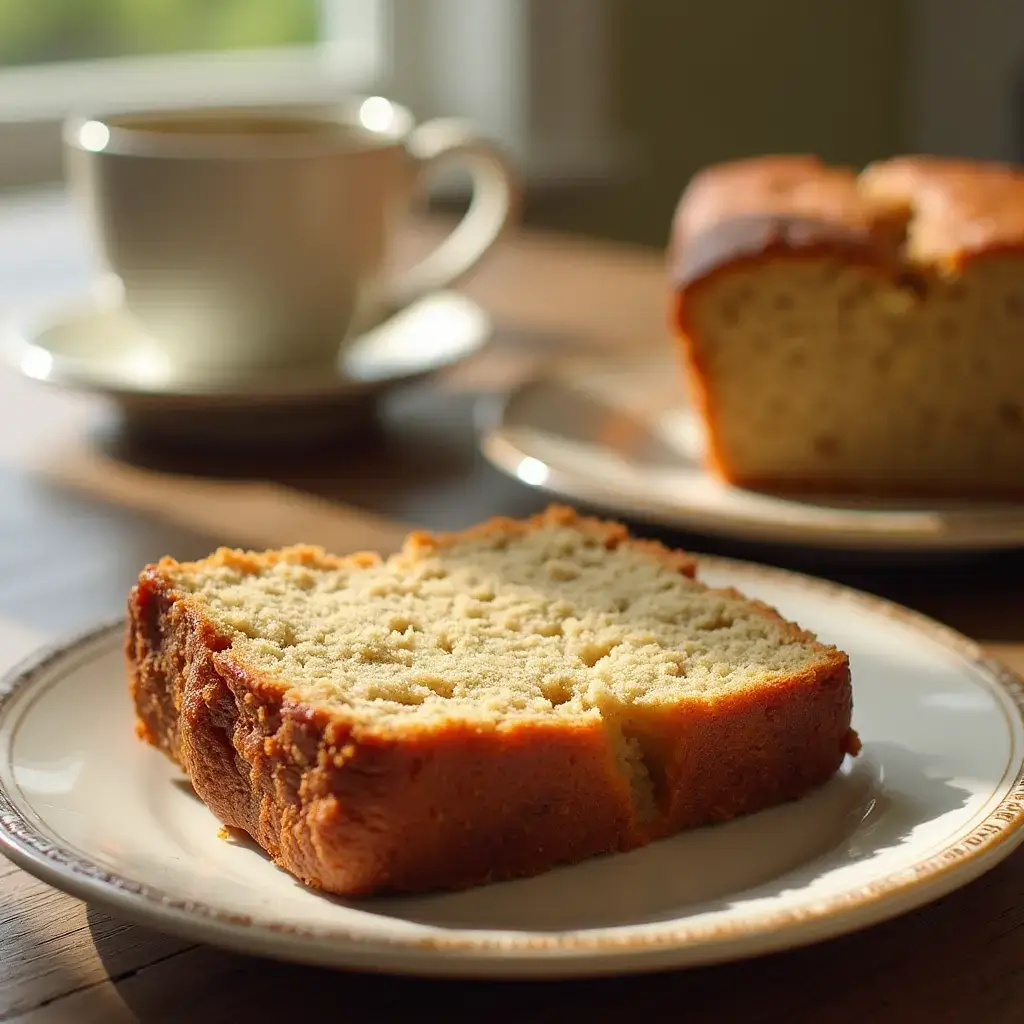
(249, 239)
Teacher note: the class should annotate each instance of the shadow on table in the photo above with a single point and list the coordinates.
(414, 458)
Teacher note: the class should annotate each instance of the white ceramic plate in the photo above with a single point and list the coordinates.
(934, 800)
(619, 435)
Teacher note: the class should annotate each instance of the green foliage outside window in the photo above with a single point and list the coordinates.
(39, 31)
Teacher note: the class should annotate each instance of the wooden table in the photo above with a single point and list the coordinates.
(80, 511)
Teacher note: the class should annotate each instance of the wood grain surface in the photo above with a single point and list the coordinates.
(81, 509)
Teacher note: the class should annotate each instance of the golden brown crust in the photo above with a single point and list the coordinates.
(961, 209)
(743, 753)
(779, 205)
(357, 810)
(946, 212)
(789, 186)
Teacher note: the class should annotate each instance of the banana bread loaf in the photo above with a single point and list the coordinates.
(479, 706)
(856, 333)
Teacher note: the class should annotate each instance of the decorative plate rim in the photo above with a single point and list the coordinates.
(987, 842)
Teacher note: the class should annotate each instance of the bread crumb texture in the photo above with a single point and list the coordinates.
(553, 621)
(816, 369)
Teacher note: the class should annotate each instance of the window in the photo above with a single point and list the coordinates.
(530, 73)
(45, 33)
(59, 57)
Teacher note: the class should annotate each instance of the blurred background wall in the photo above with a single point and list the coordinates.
(610, 105)
(699, 82)
(694, 81)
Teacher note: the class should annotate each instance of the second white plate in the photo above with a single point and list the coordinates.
(619, 436)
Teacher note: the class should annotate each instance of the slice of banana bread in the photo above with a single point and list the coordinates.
(482, 705)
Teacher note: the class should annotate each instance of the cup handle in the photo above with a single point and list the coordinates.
(496, 196)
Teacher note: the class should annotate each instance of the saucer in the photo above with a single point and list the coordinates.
(99, 348)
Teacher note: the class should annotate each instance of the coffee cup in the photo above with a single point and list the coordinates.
(250, 239)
